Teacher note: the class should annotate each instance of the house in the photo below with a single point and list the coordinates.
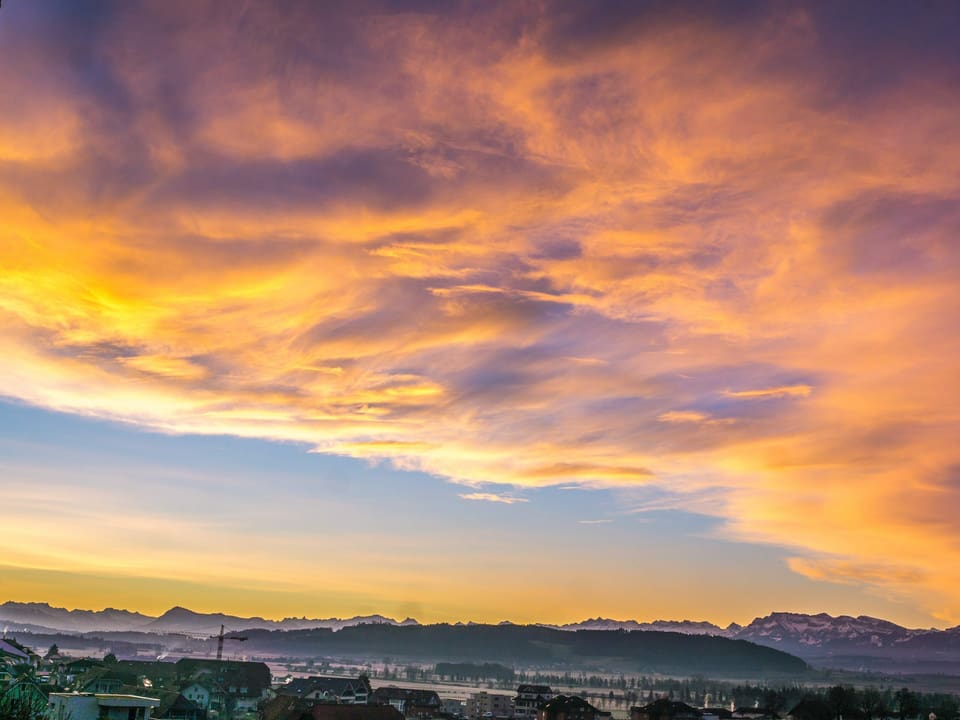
(13, 652)
(753, 713)
(104, 706)
(347, 691)
(716, 713)
(665, 709)
(529, 698)
(234, 685)
(412, 703)
(69, 672)
(197, 693)
(247, 679)
(106, 680)
(25, 654)
(489, 705)
(453, 707)
(287, 707)
(153, 674)
(356, 711)
(182, 709)
(569, 707)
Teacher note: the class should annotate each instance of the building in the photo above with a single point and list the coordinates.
(355, 711)
(715, 713)
(71, 671)
(198, 694)
(453, 707)
(569, 707)
(103, 706)
(528, 700)
(182, 709)
(287, 707)
(346, 691)
(665, 709)
(412, 703)
(489, 705)
(753, 713)
(239, 678)
(13, 652)
(234, 686)
(106, 680)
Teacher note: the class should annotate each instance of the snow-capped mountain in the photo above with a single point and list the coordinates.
(844, 642)
(687, 627)
(861, 642)
(817, 631)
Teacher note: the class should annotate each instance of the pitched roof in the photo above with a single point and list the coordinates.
(667, 707)
(339, 686)
(355, 712)
(183, 704)
(414, 697)
(296, 687)
(752, 712)
(292, 708)
(255, 676)
(14, 649)
(568, 703)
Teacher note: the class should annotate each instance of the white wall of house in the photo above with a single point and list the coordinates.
(198, 694)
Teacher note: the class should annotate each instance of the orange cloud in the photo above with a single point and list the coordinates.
(774, 392)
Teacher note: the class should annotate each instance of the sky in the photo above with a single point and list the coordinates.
(534, 311)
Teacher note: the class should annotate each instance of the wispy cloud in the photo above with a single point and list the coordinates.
(594, 522)
(772, 392)
(692, 416)
(852, 572)
(493, 497)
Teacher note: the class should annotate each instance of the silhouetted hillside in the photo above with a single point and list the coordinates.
(525, 644)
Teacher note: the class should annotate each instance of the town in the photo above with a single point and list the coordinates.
(51, 685)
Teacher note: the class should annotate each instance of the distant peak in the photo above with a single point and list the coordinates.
(178, 610)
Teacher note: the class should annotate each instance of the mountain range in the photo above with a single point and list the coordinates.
(855, 643)
(41, 617)
(860, 643)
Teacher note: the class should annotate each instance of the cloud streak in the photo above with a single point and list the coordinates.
(493, 498)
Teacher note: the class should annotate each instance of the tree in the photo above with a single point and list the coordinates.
(842, 700)
(945, 708)
(907, 702)
(110, 658)
(23, 670)
(871, 704)
(54, 650)
(773, 700)
(18, 710)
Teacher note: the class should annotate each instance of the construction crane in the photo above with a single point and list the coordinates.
(221, 637)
